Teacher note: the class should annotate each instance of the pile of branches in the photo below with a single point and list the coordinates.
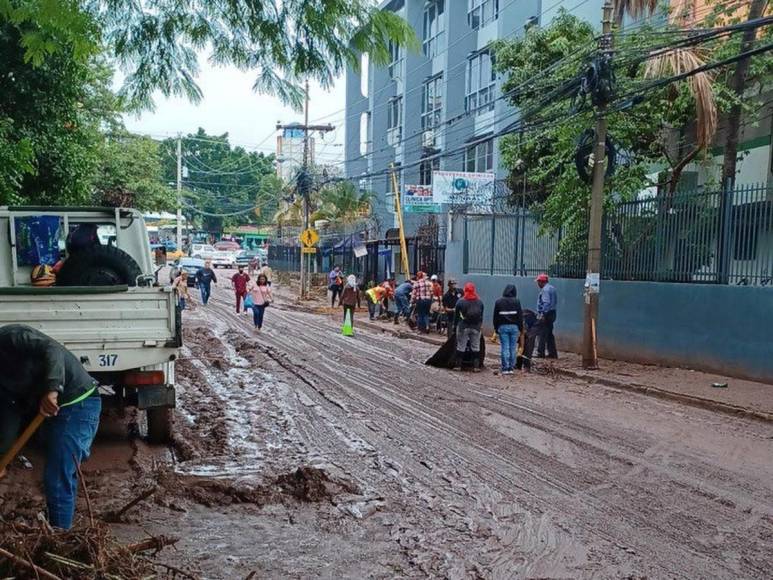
(86, 552)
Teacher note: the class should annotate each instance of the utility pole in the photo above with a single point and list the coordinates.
(179, 193)
(593, 274)
(399, 212)
(304, 183)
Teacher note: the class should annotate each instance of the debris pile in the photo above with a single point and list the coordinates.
(85, 552)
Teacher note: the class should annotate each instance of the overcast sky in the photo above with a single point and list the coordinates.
(230, 105)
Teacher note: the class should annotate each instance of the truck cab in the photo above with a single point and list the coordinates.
(106, 305)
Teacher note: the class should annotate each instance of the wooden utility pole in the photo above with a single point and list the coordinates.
(304, 184)
(399, 211)
(593, 274)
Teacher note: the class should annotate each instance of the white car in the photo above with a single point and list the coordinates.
(223, 259)
(203, 251)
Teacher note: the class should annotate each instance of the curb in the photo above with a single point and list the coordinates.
(648, 390)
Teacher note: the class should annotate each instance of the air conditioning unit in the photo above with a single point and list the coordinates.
(428, 139)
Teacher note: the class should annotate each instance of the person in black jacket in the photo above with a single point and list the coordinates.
(469, 319)
(508, 321)
(39, 374)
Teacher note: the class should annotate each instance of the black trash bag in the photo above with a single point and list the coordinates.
(445, 357)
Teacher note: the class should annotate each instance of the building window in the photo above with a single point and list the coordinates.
(428, 166)
(479, 158)
(481, 83)
(481, 12)
(395, 59)
(395, 120)
(432, 102)
(434, 27)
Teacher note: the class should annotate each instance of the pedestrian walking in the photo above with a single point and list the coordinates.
(422, 298)
(205, 277)
(508, 322)
(335, 284)
(253, 265)
(547, 303)
(450, 298)
(41, 374)
(349, 297)
(469, 319)
(261, 298)
(180, 286)
(239, 282)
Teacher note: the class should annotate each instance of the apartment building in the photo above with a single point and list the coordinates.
(434, 108)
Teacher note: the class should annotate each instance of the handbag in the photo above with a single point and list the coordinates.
(248, 302)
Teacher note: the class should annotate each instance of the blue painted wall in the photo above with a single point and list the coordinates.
(722, 329)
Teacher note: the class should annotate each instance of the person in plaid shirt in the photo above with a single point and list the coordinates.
(422, 298)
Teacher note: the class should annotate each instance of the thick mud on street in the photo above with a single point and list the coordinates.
(302, 453)
(407, 470)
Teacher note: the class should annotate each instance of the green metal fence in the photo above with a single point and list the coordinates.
(716, 236)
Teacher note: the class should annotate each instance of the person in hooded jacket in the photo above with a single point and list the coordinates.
(508, 321)
(469, 319)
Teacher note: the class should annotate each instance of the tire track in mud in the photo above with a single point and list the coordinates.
(606, 503)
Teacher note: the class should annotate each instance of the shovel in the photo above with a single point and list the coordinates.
(21, 441)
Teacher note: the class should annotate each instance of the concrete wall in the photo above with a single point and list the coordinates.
(723, 329)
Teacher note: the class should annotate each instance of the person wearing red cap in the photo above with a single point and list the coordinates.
(546, 316)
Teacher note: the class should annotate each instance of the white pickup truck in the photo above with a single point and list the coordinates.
(106, 306)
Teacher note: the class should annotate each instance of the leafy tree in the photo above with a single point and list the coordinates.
(130, 174)
(157, 43)
(222, 182)
(50, 121)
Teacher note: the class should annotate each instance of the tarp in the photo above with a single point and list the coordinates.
(445, 357)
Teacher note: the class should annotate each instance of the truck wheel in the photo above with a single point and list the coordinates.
(99, 266)
(159, 425)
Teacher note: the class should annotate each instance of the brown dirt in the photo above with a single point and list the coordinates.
(305, 453)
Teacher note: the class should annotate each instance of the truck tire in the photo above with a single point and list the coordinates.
(99, 266)
(159, 425)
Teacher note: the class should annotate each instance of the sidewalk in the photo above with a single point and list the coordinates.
(740, 397)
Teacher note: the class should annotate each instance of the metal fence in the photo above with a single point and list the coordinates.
(717, 236)
(380, 262)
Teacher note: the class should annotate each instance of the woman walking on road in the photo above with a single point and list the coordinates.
(180, 286)
(261, 298)
(350, 296)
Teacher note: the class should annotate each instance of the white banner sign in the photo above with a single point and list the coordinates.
(418, 199)
(461, 188)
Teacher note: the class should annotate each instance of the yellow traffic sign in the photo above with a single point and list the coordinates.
(309, 250)
(309, 237)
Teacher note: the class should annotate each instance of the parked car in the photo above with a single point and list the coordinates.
(244, 257)
(190, 265)
(203, 251)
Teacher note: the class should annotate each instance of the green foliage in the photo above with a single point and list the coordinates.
(52, 115)
(156, 43)
(130, 174)
(648, 135)
(221, 179)
(343, 203)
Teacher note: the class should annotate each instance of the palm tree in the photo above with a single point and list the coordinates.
(674, 62)
(343, 203)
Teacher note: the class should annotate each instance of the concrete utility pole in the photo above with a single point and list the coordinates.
(304, 182)
(179, 193)
(592, 278)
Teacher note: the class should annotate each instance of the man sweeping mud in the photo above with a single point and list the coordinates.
(39, 375)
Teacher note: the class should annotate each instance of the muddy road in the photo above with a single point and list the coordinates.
(303, 453)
